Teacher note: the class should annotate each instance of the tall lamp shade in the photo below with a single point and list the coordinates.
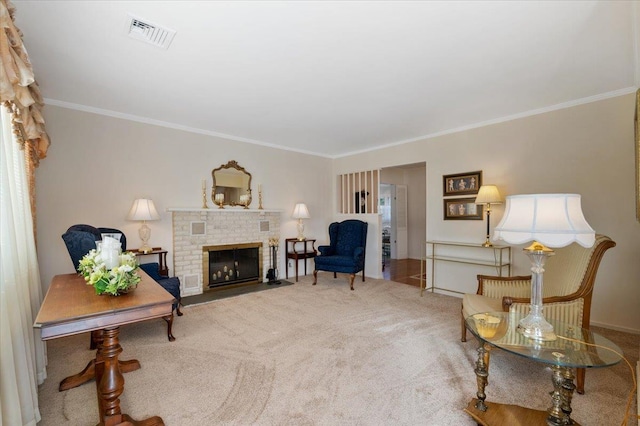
(549, 221)
(143, 209)
(300, 211)
(487, 195)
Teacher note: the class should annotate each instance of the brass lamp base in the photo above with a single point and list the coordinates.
(145, 249)
(487, 243)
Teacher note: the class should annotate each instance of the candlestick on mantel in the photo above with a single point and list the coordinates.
(219, 200)
(204, 195)
(259, 196)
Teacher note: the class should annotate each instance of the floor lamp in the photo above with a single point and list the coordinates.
(487, 195)
(547, 220)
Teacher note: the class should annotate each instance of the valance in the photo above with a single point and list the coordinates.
(18, 87)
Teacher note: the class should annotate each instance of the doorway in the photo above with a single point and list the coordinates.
(402, 205)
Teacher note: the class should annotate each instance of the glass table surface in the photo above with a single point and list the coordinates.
(573, 347)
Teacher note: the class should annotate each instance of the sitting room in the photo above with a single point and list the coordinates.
(301, 154)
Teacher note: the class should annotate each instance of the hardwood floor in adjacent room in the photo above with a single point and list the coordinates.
(406, 271)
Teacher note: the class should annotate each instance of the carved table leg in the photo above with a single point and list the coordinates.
(89, 372)
(482, 374)
(110, 384)
(563, 388)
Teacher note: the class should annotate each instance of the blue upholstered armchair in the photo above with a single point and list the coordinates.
(80, 239)
(346, 252)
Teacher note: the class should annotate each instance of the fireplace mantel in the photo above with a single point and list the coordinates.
(225, 210)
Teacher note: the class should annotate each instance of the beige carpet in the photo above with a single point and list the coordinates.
(323, 355)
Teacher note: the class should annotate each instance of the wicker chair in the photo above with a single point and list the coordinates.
(567, 291)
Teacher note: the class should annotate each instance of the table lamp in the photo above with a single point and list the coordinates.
(547, 220)
(144, 210)
(487, 195)
(300, 212)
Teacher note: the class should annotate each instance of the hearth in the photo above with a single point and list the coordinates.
(231, 264)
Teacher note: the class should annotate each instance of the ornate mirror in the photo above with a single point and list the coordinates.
(231, 185)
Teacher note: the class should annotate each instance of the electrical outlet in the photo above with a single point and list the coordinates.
(291, 264)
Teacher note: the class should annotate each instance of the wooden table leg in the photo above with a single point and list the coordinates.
(89, 372)
(110, 384)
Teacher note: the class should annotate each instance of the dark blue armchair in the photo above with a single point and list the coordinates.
(346, 252)
(80, 239)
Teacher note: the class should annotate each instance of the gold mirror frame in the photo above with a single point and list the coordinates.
(232, 191)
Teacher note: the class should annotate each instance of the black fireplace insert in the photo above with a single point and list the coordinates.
(232, 264)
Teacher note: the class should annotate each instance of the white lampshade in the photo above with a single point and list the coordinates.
(555, 220)
(300, 211)
(143, 209)
(488, 194)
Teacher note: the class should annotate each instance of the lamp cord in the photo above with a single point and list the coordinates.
(625, 419)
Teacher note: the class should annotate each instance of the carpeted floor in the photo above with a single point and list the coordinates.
(319, 355)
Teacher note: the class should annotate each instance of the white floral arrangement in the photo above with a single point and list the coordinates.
(115, 281)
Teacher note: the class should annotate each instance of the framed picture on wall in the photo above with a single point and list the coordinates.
(461, 183)
(462, 209)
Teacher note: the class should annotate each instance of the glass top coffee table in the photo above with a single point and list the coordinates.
(573, 348)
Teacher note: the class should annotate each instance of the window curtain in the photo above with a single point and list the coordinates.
(22, 353)
(19, 88)
(23, 143)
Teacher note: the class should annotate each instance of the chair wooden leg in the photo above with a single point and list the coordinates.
(178, 312)
(169, 320)
(315, 277)
(463, 338)
(580, 375)
(351, 278)
(335, 275)
(363, 275)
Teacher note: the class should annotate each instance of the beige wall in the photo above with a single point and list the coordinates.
(587, 149)
(98, 165)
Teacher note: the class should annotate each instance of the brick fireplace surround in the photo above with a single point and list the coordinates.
(195, 228)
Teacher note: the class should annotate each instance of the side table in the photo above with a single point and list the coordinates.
(299, 250)
(573, 348)
(162, 258)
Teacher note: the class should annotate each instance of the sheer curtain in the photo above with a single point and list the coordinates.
(22, 353)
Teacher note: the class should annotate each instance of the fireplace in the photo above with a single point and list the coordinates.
(195, 228)
(231, 264)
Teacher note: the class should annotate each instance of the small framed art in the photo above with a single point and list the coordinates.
(461, 183)
(462, 209)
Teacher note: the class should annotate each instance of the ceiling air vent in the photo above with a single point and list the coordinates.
(149, 32)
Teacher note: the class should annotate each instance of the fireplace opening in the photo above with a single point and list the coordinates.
(231, 264)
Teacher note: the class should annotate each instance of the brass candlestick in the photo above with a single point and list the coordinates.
(260, 199)
(218, 200)
(204, 198)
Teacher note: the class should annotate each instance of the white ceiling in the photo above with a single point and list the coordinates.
(331, 77)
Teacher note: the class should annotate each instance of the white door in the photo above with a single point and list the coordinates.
(399, 232)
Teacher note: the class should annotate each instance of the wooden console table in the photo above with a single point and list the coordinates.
(72, 307)
(163, 269)
(305, 250)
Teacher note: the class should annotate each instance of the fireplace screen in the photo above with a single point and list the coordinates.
(231, 264)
